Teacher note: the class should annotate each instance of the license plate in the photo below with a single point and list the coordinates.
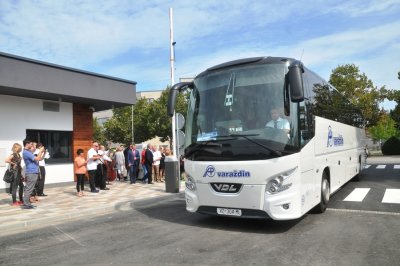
(232, 212)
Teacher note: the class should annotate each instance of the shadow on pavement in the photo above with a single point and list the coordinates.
(174, 211)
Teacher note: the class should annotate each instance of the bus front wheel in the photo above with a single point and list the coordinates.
(325, 194)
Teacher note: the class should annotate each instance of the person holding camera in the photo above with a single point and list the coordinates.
(31, 171)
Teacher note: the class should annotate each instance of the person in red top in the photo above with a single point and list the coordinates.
(142, 162)
(80, 171)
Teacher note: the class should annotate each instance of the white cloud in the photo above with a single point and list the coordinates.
(150, 78)
(87, 32)
(77, 35)
(356, 8)
(324, 53)
(95, 35)
(352, 43)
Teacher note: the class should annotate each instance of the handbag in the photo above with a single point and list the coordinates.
(8, 176)
(124, 171)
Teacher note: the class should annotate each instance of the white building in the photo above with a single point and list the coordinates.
(54, 105)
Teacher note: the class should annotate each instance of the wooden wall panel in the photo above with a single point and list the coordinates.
(83, 129)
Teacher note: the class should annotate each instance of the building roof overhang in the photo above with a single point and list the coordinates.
(28, 78)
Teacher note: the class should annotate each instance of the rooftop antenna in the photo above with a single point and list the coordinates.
(302, 52)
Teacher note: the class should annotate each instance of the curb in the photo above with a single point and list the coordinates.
(383, 159)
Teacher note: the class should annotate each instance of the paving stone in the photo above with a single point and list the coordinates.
(62, 204)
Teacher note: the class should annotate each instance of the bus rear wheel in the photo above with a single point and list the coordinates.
(358, 175)
(325, 194)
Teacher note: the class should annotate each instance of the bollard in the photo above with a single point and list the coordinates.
(171, 174)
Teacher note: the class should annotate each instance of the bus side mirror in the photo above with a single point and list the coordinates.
(178, 87)
(171, 102)
(296, 82)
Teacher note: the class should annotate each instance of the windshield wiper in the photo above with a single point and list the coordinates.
(277, 153)
(195, 147)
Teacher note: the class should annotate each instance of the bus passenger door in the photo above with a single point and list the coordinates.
(307, 158)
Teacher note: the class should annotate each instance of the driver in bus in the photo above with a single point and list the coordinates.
(277, 121)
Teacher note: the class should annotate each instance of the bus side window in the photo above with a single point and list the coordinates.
(306, 108)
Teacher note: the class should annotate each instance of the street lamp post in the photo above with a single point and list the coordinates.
(172, 63)
(133, 133)
(172, 182)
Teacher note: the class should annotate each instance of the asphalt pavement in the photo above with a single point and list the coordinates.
(62, 204)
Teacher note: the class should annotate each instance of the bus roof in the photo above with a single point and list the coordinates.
(246, 61)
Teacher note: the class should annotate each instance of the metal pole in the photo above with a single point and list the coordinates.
(133, 138)
(172, 63)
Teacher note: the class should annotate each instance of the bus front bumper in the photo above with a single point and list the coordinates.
(252, 201)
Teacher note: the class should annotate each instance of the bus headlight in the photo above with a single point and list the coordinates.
(190, 184)
(279, 182)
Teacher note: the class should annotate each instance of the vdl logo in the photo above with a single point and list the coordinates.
(210, 171)
(226, 187)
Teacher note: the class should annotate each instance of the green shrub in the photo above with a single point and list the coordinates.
(391, 146)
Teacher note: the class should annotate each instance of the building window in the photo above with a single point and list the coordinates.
(58, 144)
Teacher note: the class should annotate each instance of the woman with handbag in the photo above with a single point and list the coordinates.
(14, 161)
(119, 159)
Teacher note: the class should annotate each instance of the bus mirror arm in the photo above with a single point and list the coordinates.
(296, 81)
(178, 87)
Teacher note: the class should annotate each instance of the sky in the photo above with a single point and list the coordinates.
(130, 39)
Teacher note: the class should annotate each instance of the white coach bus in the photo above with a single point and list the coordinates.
(241, 163)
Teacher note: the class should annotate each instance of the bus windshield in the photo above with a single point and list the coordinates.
(237, 114)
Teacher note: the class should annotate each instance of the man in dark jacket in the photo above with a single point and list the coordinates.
(149, 163)
(134, 161)
(127, 149)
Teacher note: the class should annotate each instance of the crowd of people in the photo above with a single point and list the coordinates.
(30, 184)
(125, 164)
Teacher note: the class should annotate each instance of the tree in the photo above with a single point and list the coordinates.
(394, 95)
(118, 129)
(163, 123)
(395, 115)
(384, 129)
(98, 132)
(150, 119)
(143, 118)
(360, 90)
